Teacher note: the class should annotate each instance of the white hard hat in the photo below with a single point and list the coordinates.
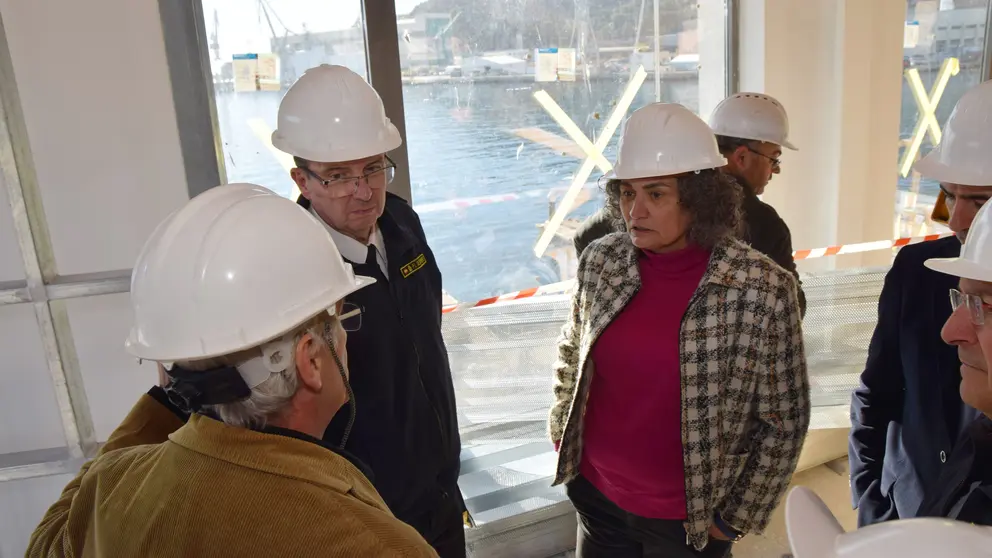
(332, 115)
(235, 267)
(753, 116)
(815, 533)
(663, 139)
(963, 154)
(975, 261)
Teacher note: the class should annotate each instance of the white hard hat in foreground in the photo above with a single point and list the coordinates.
(664, 139)
(332, 115)
(235, 267)
(975, 261)
(815, 533)
(753, 116)
(963, 154)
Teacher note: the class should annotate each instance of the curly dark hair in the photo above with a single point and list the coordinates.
(712, 199)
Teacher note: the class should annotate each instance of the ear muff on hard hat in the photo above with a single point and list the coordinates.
(962, 157)
(332, 115)
(663, 139)
(940, 214)
(752, 116)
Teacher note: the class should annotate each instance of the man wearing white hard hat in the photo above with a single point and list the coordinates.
(964, 489)
(814, 532)
(675, 436)
(334, 125)
(907, 411)
(261, 367)
(751, 130)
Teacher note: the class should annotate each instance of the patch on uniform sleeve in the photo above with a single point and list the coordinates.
(414, 266)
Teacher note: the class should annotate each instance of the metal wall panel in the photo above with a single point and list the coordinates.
(28, 409)
(11, 264)
(113, 379)
(22, 505)
(98, 109)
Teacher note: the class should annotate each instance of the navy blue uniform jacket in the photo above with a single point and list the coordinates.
(907, 412)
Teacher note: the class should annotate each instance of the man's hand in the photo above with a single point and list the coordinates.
(716, 533)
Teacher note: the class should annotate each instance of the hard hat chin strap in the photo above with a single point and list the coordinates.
(351, 397)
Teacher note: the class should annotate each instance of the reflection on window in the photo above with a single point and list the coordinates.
(946, 30)
(490, 164)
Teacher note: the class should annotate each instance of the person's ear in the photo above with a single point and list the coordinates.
(307, 363)
(299, 176)
(740, 155)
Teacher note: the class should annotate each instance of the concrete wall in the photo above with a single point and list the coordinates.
(836, 66)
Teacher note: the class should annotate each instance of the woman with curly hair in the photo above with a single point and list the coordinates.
(681, 391)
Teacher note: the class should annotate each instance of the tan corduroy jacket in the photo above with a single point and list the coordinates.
(159, 488)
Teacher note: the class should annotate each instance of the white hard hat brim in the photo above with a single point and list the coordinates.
(960, 267)
(933, 168)
(785, 143)
(133, 345)
(811, 527)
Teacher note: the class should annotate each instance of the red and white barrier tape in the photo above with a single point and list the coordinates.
(863, 247)
(564, 286)
(554, 288)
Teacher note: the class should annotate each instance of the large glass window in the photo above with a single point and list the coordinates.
(491, 88)
(494, 92)
(944, 43)
(258, 48)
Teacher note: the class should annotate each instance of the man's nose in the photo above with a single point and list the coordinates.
(362, 189)
(958, 329)
(962, 214)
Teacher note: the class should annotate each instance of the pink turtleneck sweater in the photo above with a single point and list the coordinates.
(632, 441)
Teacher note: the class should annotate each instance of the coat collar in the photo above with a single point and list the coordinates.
(391, 228)
(277, 454)
(729, 265)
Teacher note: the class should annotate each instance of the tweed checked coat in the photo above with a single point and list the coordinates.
(745, 390)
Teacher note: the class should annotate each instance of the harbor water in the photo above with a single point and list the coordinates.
(472, 141)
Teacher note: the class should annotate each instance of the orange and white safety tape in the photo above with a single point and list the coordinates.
(554, 288)
(864, 247)
(565, 286)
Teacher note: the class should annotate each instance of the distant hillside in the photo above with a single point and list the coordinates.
(484, 25)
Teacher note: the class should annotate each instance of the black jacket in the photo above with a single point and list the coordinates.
(597, 226)
(762, 228)
(406, 427)
(964, 489)
(767, 233)
(907, 411)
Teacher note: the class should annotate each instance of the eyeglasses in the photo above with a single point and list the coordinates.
(339, 185)
(775, 162)
(976, 306)
(350, 320)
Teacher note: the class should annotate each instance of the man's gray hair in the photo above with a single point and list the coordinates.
(271, 398)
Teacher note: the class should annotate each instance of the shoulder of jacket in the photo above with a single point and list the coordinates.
(399, 204)
(761, 271)
(914, 255)
(120, 459)
(763, 214)
(605, 248)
